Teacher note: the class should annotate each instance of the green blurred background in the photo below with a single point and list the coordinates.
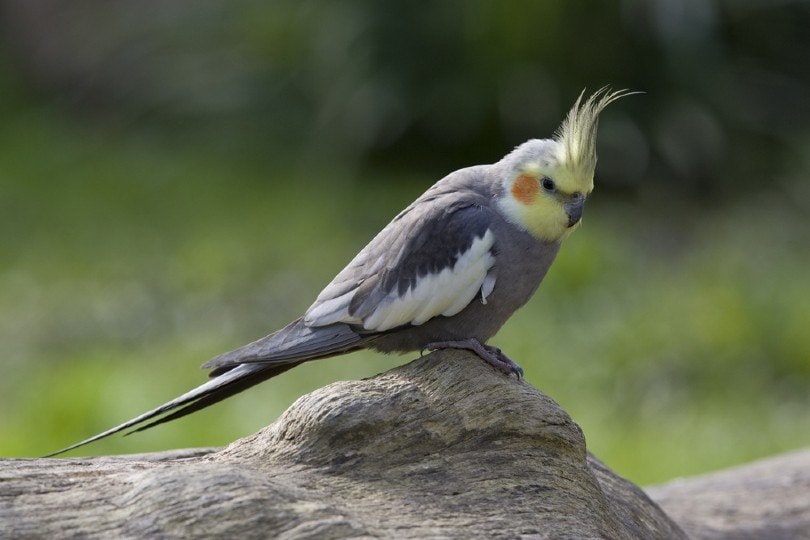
(178, 178)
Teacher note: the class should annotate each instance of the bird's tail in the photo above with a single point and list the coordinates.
(293, 343)
(242, 368)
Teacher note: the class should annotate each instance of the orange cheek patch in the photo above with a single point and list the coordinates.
(525, 188)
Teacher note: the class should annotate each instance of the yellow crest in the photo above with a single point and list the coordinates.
(577, 134)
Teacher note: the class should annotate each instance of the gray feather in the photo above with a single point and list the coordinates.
(217, 389)
(427, 237)
(296, 342)
(242, 368)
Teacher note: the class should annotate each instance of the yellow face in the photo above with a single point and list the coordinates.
(546, 200)
(546, 182)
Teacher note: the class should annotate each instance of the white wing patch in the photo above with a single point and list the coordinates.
(445, 293)
(332, 311)
(488, 285)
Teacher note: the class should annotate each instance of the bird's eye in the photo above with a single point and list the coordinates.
(548, 184)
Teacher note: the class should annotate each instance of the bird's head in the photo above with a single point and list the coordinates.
(546, 181)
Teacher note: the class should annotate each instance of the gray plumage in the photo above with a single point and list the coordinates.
(449, 270)
(427, 237)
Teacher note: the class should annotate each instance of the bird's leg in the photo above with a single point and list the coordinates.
(491, 355)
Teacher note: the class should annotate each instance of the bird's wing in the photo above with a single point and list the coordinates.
(432, 260)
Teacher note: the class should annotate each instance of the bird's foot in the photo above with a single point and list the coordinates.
(491, 355)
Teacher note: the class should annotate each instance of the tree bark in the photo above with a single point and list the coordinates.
(442, 447)
(767, 499)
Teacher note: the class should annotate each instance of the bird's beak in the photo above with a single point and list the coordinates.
(574, 211)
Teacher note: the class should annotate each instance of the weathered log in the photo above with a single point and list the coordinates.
(442, 447)
(767, 499)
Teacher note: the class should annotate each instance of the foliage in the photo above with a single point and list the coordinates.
(431, 86)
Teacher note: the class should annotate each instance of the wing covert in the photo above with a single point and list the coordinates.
(432, 260)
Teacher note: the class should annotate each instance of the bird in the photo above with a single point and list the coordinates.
(446, 272)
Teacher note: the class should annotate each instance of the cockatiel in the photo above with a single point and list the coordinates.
(447, 272)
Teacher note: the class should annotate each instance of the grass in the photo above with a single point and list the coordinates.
(676, 336)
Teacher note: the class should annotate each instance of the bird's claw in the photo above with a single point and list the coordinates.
(491, 355)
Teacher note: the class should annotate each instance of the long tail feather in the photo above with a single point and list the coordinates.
(245, 381)
(242, 368)
(215, 390)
